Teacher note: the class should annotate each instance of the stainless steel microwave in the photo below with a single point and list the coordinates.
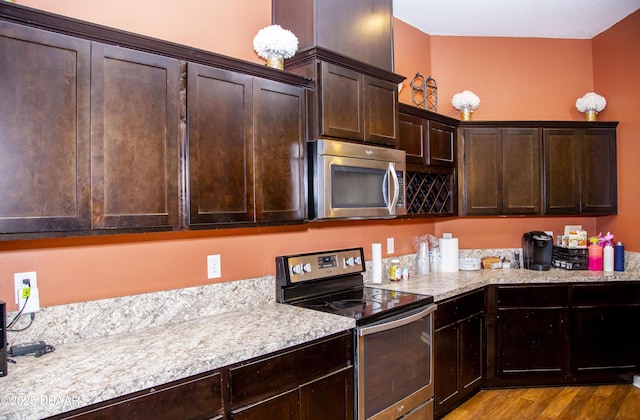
(355, 181)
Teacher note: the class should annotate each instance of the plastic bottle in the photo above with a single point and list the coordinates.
(595, 255)
(607, 258)
(395, 272)
(619, 257)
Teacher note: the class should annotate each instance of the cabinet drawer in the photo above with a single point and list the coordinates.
(459, 308)
(285, 370)
(197, 397)
(606, 294)
(533, 296)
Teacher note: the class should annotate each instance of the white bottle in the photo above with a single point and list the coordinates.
(607, 264)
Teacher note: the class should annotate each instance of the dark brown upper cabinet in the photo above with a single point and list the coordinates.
(580, 167)
(91, 138)
(428, 138)
(360, 29)
(94, 136)
(44, 119)
(501, 171)
(134, 138)
(246, 148)
(350, 103)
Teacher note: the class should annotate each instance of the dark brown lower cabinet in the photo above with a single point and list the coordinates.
(280, 407)
(197, 397)
(314, 381)
(604, 341)
(459, 350)
(310, 381)
(528, 338)
(562, 334)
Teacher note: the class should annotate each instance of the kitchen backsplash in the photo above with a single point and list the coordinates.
(71, 322)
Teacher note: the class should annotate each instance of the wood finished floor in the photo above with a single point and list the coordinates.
(604, 402)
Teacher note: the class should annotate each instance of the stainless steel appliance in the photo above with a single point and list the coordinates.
(537, 250)
(393, 336)
(354, 181)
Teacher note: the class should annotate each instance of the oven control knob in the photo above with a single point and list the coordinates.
(348, 261)
(358, 260)
(297, 269)
(306, 268)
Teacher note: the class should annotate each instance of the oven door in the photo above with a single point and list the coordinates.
(394, 365)
(360, 188)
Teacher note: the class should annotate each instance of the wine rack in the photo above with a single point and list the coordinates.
(430, 193)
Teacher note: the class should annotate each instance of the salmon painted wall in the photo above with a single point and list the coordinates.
(223, 26)
(515, 78)
(616, 58)
(79, 269)
(412, 54)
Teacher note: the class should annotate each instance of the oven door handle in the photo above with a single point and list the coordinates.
(397, 322)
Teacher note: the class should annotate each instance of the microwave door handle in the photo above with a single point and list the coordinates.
(396, 188)
(385, 189)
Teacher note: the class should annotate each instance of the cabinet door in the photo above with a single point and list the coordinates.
(562, 171)
(279, 147)
(134, 138)
(482, 171)
(342, 92)
(381, 111)
(412, 138)
(442, 140)
(446, 367)
(330, 397)
(532, 343)
(220, 149)
(521, 171)
(604, 345)
(471, 352)
(599, 187)
(44, 121)
(280, 407)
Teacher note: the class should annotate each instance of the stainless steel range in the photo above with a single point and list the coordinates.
(393, 335)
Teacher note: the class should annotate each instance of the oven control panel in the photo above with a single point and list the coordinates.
(320, 265)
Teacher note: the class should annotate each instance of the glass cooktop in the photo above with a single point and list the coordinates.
(367, 304)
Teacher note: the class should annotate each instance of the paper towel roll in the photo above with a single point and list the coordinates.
(376, 259)
(449, 255)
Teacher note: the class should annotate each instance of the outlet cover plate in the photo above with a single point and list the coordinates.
(390, 246)
(33, 304)
(214, 270)
(19, 277)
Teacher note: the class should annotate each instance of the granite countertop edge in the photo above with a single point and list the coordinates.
(443, 286)
(97, 369)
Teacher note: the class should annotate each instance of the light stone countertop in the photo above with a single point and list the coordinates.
(443, 286)
(113, 347)
(96, 369)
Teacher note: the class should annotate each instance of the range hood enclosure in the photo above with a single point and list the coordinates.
(359, 29)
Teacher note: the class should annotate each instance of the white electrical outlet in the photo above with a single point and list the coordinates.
(390, 246)
(214, 271)
(21, 287)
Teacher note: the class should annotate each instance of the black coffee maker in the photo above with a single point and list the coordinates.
(537, 249)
